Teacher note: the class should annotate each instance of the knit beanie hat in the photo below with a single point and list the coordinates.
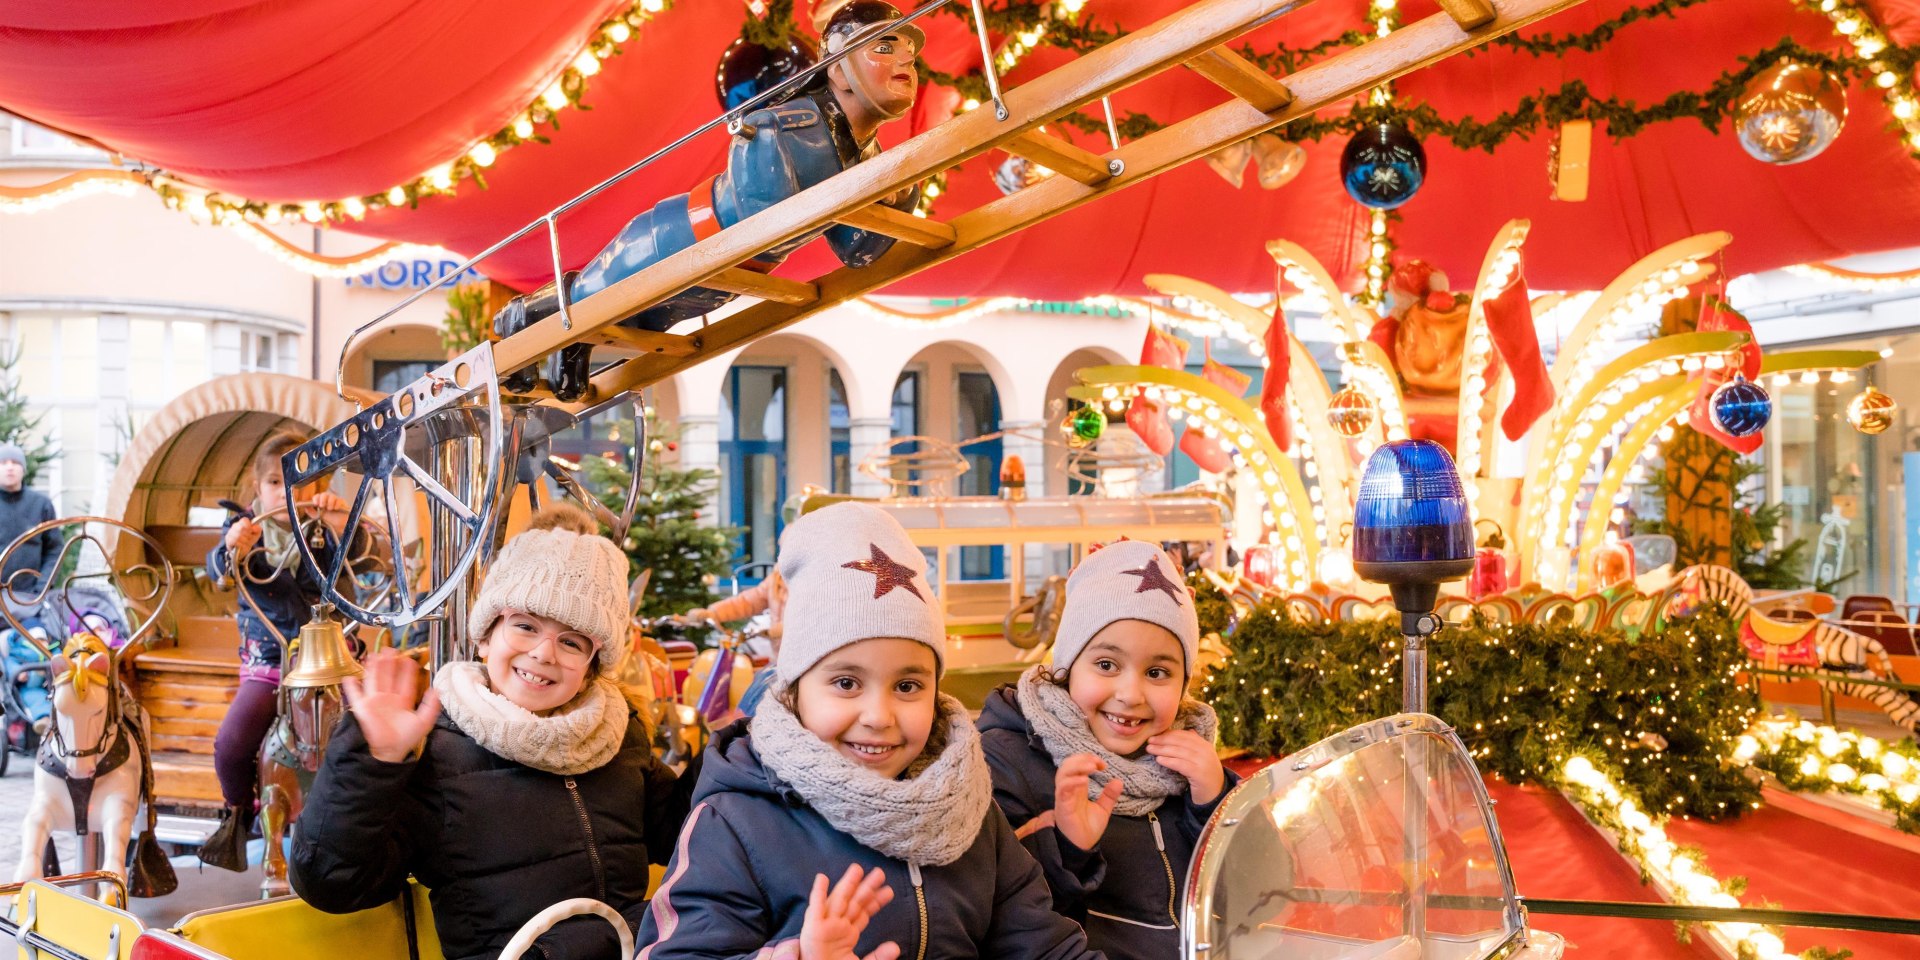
(11, 453)
(560, 568)
(852, 574)
(1127, 580)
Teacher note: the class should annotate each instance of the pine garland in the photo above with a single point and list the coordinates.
(1661, 713)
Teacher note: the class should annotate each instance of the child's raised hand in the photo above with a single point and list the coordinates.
(383, 704)
(241, 536)
(835, 919)
(1080, 820)
(1190, 755)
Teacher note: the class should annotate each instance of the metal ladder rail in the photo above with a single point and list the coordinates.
(1192, 36)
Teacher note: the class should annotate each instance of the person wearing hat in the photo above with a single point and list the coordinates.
(778, 150)
(22, 509)
(855, 766)
(517, 781)
(1100, 759)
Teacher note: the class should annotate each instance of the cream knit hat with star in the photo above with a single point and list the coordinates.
(560, 568)
(852, 574)
(1126, 580)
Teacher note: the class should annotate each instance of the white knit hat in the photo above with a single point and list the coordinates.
(557, 570)
(1127, 580)
(852, 574)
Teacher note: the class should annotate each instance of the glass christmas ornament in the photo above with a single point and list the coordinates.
(1790, 113)
(1741, 407)
(1612, 563)
(1383, 166)
(748, 69)
(1352, 412)
(1084, 425)
(1259, 566)
(1018, 173)
(1872, 412)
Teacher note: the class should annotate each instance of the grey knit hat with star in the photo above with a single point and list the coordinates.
(1127, 580)
(852, 574)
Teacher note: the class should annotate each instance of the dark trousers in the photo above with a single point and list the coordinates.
(236, 750)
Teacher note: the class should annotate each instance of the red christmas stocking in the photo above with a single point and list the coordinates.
(1510, 321)
(1207, 452)
(1148, 418)
(1273, 387)
(1720, 317)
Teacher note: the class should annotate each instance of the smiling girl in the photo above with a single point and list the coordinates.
(1100, 758)
(855, 766)
(535, 785)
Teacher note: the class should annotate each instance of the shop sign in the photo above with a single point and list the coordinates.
(412, 275)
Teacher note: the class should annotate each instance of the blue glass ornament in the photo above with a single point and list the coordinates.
(1412, 522)
(1383, 166)
(748, 69)
(1741, 408)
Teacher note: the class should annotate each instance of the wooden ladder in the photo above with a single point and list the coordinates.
(1195, 37)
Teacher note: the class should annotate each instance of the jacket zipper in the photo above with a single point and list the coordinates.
(593, 850)
(920, 898)
(1160, 842)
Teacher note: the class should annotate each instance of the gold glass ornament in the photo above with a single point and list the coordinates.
(1352, 412)
(1790, 113)
(1871, 412)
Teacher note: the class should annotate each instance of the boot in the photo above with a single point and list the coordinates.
(569, 372)
(226, 848)
(520, 313)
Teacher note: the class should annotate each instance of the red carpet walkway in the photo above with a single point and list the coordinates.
(1556, 854)
(1803, 864)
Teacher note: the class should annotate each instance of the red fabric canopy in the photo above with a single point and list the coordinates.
(312, 100)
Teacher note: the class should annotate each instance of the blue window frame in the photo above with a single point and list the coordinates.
(753, 461)
(840, 436)
(977, 413)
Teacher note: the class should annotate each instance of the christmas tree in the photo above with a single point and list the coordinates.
(667, 535)
(18, 423)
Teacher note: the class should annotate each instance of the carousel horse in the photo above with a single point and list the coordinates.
(93, 769)
(1828, 654)
(310, 704)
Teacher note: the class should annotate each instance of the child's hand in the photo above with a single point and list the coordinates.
(1080, 820)
(831, 930)
(241, 537)
(383, 703)
(1190, 755)
(332, 509)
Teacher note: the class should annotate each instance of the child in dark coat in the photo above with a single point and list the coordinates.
(857, 767)
(1102, 762)
(284, 591)
(536, 784)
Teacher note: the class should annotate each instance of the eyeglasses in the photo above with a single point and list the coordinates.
(524, 636)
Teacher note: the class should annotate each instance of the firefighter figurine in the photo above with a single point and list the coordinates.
(777, 151)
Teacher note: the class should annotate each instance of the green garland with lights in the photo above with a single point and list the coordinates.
(1662, 712)
(1814, 759)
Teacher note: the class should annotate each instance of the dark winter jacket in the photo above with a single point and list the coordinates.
(1128, 890)
(494, 842)
(22, 510)
(747, 857)
(287, 599)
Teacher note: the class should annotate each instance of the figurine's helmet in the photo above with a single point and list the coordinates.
(858, 19)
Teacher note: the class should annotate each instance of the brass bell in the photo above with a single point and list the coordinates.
(324, 658)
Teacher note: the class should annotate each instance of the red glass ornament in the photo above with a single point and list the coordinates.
(1258, 565)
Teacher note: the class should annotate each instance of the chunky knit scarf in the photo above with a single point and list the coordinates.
(577, 738)
(1063, 728)
(929, 816)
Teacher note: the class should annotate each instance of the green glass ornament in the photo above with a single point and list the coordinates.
(1088, 423)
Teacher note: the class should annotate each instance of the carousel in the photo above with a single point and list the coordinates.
(1478, 713)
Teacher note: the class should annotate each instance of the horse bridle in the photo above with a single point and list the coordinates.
(114, 714)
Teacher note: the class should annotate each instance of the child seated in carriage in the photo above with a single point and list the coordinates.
(284, 590)
(855, 766)
(516, 782)
(1100, 758)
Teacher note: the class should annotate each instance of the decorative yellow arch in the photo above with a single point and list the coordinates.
(1296, 536)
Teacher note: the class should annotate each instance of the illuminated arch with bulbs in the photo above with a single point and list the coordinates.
(1671, 406)
(1652, 281)
(1320, 449)
(1589, 416)
(1297, 524)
